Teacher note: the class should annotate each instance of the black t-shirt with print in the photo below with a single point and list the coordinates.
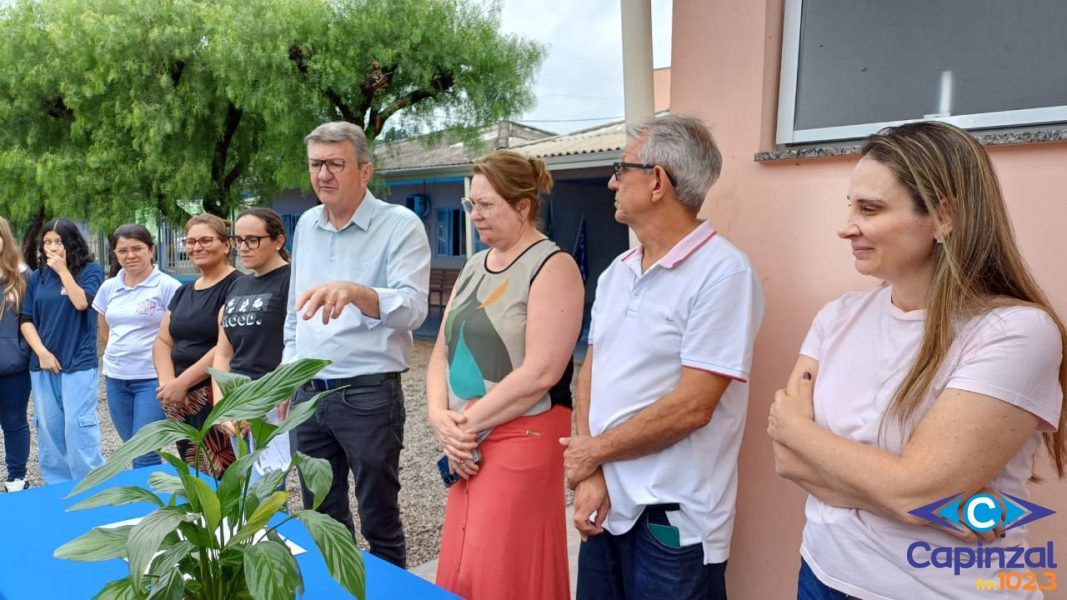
(194, 320)
(253, 321)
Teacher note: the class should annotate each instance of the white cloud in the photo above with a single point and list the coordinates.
(581, 77)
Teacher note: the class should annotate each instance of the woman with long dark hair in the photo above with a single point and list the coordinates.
(14, 362)
(940, 384)
(185, 347)
(131, 306)
(61, 330)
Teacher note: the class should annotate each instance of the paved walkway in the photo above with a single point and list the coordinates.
(428, 571)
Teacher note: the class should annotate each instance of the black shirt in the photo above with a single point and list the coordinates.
(194, 325)
(253, 321)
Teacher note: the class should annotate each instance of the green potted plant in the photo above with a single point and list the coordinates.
(213, 542)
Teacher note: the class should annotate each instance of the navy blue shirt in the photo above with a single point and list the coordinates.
(68, 333)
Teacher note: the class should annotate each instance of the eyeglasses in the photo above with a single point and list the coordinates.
(252, 241)
(619, 167)
(484, 208)
(333, 166)
(132, 250)
(205, 242)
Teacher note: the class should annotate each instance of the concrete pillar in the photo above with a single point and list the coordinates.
(637, 64)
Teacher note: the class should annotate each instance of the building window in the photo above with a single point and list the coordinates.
(451, 238)
(852, 67)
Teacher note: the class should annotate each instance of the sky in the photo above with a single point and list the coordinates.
(580, 82)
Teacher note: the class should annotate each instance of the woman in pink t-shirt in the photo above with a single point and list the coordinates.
(937, 387)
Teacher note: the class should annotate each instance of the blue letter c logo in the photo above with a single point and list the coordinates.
(981, 512)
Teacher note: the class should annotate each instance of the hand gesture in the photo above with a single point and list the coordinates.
(331, 297)
(57, 259)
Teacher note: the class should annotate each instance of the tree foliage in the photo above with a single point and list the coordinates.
(110, 106)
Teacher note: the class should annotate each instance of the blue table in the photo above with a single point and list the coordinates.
(34, 523)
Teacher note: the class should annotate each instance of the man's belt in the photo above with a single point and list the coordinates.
(371, 379)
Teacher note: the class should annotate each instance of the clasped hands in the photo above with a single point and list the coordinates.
(457, 443)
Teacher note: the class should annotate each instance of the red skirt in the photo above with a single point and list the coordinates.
(505, 530)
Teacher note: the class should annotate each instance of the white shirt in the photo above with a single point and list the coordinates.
(865, 347)
(133, 315)
(700, 307)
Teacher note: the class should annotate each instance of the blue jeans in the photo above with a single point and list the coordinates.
(68, 428)
(810, 588)
(636, 565)
(362, 429)
(133, 404)
(14, 398)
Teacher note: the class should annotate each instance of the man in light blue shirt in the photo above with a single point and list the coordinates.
(360, 275)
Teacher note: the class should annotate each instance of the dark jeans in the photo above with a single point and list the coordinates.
(362, 429)
(635, 565)
(810, 588)
(14, 398)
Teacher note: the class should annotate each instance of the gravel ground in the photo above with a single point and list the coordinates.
(422, 496)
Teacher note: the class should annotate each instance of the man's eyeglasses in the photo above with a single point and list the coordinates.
(619, 167)
(334, 165)
(205, 242)
(484, 208)
(252, 241)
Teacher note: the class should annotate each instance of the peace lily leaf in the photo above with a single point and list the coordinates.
(255, 399)
(170, 587)
(270, 570)
(165, 483)
(118, 496)
(209, 502)
(316, 474)
(298, 413)
(259, 518)
(166, 561)
(232, 483)
(146, 536)
(150, 437)
(262, 431)
(120, 589)
(98, 544)
(175, 461)
(268, 484)
(227, 381)
(338, 550)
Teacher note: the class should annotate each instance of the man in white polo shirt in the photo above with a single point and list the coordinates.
(663, 391)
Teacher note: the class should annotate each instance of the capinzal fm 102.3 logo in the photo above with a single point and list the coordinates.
(982, 513)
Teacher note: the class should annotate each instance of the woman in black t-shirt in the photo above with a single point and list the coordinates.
(250, 333)
(187, 336)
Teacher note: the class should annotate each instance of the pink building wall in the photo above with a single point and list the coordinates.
(725, 62)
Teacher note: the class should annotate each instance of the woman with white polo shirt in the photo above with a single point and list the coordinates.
(943, 382)
(131, 307)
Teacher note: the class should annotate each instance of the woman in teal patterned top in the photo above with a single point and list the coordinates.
(502, 365)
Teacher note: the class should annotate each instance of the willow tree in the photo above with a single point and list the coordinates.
(111, 106)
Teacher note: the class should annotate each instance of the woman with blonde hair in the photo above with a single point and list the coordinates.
(185, 347)
(14, 362)
(498, 387)
(937, 387)
(60, 327)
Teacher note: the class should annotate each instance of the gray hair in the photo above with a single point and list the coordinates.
(341, 131)
(683, 146)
